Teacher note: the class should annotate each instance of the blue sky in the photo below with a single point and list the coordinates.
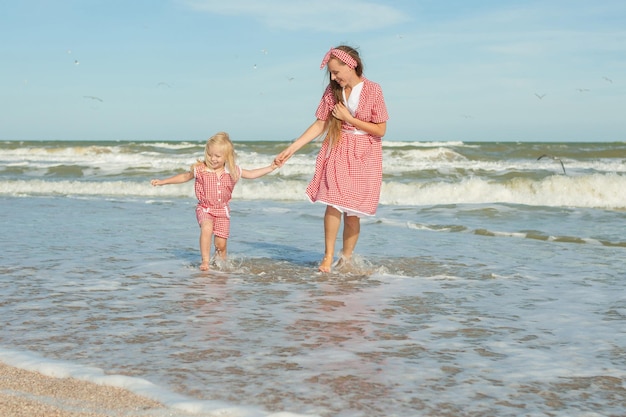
(459, 70)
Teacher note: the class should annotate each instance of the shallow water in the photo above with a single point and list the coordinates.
(460, 310)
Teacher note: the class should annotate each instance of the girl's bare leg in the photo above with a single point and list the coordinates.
(206, 230)
(351, 231)
(220, 247)
(332, 221)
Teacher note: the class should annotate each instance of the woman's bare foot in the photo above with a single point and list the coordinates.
(326, 264)
(204, 266)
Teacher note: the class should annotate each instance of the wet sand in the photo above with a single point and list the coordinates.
(31, 394)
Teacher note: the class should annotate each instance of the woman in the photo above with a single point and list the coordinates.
(348, 171)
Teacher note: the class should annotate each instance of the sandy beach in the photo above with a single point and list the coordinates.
(31, 394)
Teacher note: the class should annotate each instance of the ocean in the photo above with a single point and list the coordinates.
(491, 282)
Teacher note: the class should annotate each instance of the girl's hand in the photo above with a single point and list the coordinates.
(155, 182)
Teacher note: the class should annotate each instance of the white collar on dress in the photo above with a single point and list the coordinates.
(353, 101)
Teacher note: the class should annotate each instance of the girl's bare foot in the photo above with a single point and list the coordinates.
(204, 266)
(326, 264)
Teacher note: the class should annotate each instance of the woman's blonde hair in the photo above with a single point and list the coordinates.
(222, 140)
(333, 125)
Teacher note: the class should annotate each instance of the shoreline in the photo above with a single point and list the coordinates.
(29, 394)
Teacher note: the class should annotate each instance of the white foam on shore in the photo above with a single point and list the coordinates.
(175, 402)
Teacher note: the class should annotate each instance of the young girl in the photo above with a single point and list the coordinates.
(216, 177)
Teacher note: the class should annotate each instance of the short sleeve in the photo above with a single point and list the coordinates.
(327, 103)
(378, 106)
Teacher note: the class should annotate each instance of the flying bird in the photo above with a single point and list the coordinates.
(94, 98)
(540, 96)
(607, 79)
(582, 90)
(554, 158)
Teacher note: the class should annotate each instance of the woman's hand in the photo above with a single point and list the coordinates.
(341, 112)
(312, 132)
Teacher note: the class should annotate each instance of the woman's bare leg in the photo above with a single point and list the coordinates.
(332, 221)
(351, 231)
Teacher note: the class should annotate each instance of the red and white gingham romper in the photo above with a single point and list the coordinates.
(348, 175)
(214, 193)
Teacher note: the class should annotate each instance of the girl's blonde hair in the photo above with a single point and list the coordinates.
(333, 125)
(222, 140)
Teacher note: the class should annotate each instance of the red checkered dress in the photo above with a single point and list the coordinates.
(214, 193)
(349, 175)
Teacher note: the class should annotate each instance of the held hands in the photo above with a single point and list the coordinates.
(314, 131)
(282, 157)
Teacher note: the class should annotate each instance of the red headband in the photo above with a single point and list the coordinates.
(343, 56)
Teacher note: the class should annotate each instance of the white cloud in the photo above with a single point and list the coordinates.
(326, 16)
